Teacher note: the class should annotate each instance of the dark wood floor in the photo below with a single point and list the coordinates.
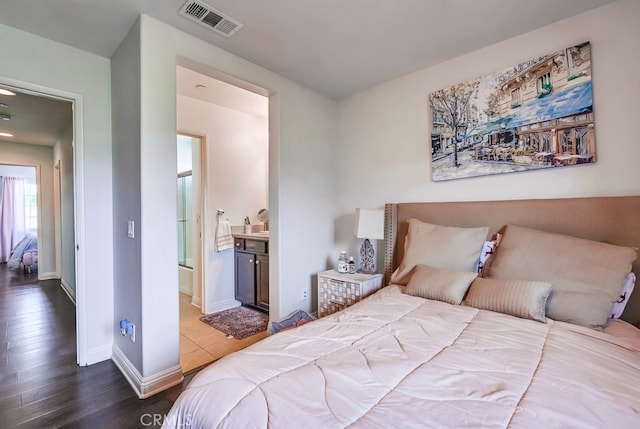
(40, 384)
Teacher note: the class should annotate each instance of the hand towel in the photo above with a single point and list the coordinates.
(224, 240)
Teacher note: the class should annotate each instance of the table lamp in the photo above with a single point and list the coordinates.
(370, 226)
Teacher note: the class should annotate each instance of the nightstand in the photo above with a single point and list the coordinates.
(337, 291)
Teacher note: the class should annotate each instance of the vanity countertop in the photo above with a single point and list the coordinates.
(262, 235)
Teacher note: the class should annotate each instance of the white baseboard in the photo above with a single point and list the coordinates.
(99, 354)
(185, 289)
(48, 276)
(68, 290)
(146, 386)
(196, 301)
(222, 305)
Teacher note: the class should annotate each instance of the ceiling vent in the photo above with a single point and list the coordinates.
(209, 17)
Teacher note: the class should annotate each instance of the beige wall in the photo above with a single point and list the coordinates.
(385, 131)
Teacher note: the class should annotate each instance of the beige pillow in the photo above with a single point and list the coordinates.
(443, 247)
(520, 298)
(441, 285)
(586, 275)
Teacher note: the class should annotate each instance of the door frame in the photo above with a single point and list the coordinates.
(78, 202)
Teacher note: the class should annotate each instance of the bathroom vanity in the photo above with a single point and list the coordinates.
(252, 269)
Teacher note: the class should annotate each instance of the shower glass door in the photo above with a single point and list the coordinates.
(185, 220)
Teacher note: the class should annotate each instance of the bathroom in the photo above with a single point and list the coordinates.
(223, 163)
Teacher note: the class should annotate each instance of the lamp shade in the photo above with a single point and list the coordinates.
(370, 224)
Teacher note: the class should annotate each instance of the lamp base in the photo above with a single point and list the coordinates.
(361, 271)
(367, 257)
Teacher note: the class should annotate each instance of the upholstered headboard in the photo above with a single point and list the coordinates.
(614, 220)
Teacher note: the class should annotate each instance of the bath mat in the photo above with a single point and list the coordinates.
(239, 322)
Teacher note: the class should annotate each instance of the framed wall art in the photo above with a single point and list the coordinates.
(533, 116)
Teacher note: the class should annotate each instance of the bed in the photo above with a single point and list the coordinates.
(439, 347)
(25, 254)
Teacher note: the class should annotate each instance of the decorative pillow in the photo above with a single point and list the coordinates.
(488, 248)
(441, 285)
(443, 247)
(625, 294)
(520, 298)
(586, 275)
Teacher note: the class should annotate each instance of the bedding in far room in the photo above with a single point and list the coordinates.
(28, 245)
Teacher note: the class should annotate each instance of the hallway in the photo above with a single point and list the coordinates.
(40, 383)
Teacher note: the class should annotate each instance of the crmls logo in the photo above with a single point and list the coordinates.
(147, 420)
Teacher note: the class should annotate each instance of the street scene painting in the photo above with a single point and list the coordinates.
(533, 116)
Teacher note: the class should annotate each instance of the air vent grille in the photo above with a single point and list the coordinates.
(205, 15)
(212, 19)
(195, 10)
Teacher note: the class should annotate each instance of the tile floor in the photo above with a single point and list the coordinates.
(200, 344)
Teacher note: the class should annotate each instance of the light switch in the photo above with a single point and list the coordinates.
(130, 229)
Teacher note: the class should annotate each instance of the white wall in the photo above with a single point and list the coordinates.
(125, 75)
(63, 153)
(42, 62)
(237, 169)
(196, 276)
(42, 158)
(385, 131)
(27, 173)
(301, 198)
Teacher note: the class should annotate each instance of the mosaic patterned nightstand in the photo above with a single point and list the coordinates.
(338, 291)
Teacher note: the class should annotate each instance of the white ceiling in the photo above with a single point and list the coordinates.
(337, 47)
(34, 119)
(204, 88)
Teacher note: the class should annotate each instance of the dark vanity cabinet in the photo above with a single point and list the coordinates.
(252, 272)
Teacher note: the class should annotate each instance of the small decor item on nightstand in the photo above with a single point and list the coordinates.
(352, 265)
(343, 264)
(369, 225)
(247, 225)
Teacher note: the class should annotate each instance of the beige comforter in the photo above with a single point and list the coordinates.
(397, 361)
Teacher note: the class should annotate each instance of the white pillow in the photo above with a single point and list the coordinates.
(625, 294)
(488, 248)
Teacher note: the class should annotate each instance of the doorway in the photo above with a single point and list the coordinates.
(234, 168)
(38, 131)
(19, 217)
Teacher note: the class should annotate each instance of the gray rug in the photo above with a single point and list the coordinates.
(239, 322)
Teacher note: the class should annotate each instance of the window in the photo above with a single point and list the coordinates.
(546, 141)
(535, 142)
(581, 141)
(31, 208)
(567, 142)
(544, 84)
(516, 101)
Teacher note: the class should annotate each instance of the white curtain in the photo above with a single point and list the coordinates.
(12, 222)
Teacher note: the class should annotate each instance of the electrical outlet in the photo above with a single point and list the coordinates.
(131, 229)
(305, 295)
(131, 331)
